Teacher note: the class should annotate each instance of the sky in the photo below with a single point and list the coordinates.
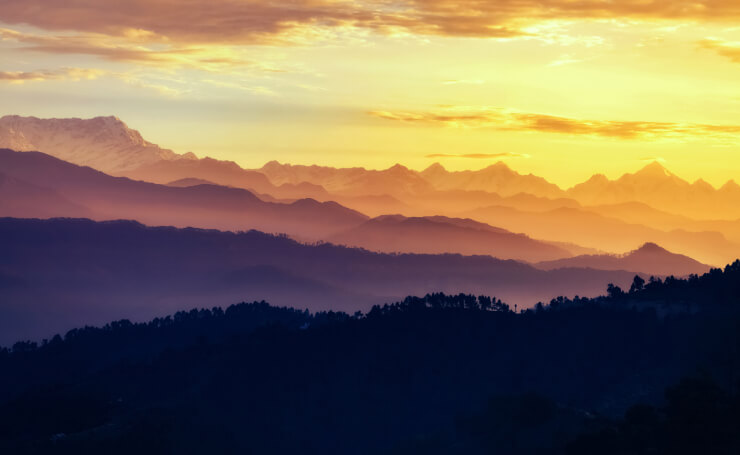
(559, 88)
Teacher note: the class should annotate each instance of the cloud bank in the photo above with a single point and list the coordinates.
(250, 22)
(506, 120)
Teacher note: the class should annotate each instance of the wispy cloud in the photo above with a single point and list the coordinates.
(480, 156)
(726, 49)
(19, 77)
(122, 49)
(566, 59)
(243, 86)
(508, 120)
(463, 82)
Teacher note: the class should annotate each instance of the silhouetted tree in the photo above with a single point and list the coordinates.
(638, 284)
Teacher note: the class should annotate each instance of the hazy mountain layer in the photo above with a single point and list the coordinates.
(658, 187)
(56, 274)
(396, 233)
(607, 234)
(223, 173)
(207, 206)
(649, 259)
(21, 199)
(650, 201)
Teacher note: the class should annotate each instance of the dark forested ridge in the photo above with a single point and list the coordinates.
(434, 374)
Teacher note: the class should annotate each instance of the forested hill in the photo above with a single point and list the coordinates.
(433, 374)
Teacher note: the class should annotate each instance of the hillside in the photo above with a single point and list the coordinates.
(435, 235)
(57, 272)
(649, 259)
(449, 373)
(21, 199)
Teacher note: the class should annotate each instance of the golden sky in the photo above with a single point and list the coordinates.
(559, 88)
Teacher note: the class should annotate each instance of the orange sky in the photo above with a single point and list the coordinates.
(559, 88)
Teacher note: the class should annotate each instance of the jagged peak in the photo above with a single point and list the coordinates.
(435, 167)
(597, 178)
(498, 166)
(274, 164)
(730, 185)
(398, 168)
(702, 184)
(655, 169)
(105, 143)
(650, 247)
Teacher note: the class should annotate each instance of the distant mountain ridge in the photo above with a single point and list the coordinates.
(439, 234)
(497, 178)
(590, 229)
(694, 214)
(103, 143)
(656, 186)
(222, 173)
(109, 145)
(205, 206)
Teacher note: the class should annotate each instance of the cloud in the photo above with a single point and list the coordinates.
(508, 120)
(482, 156)
(123, 50)
(566, 59)
(463, 82)
(256, 21)
(726, 49)
(76, 74)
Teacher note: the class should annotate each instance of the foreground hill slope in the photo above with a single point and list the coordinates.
(59, 273)
(446, 374)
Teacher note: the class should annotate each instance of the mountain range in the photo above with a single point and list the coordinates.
(606, 233)
(655, 185)
(37, 185)
(109, 145)
(510, 215)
